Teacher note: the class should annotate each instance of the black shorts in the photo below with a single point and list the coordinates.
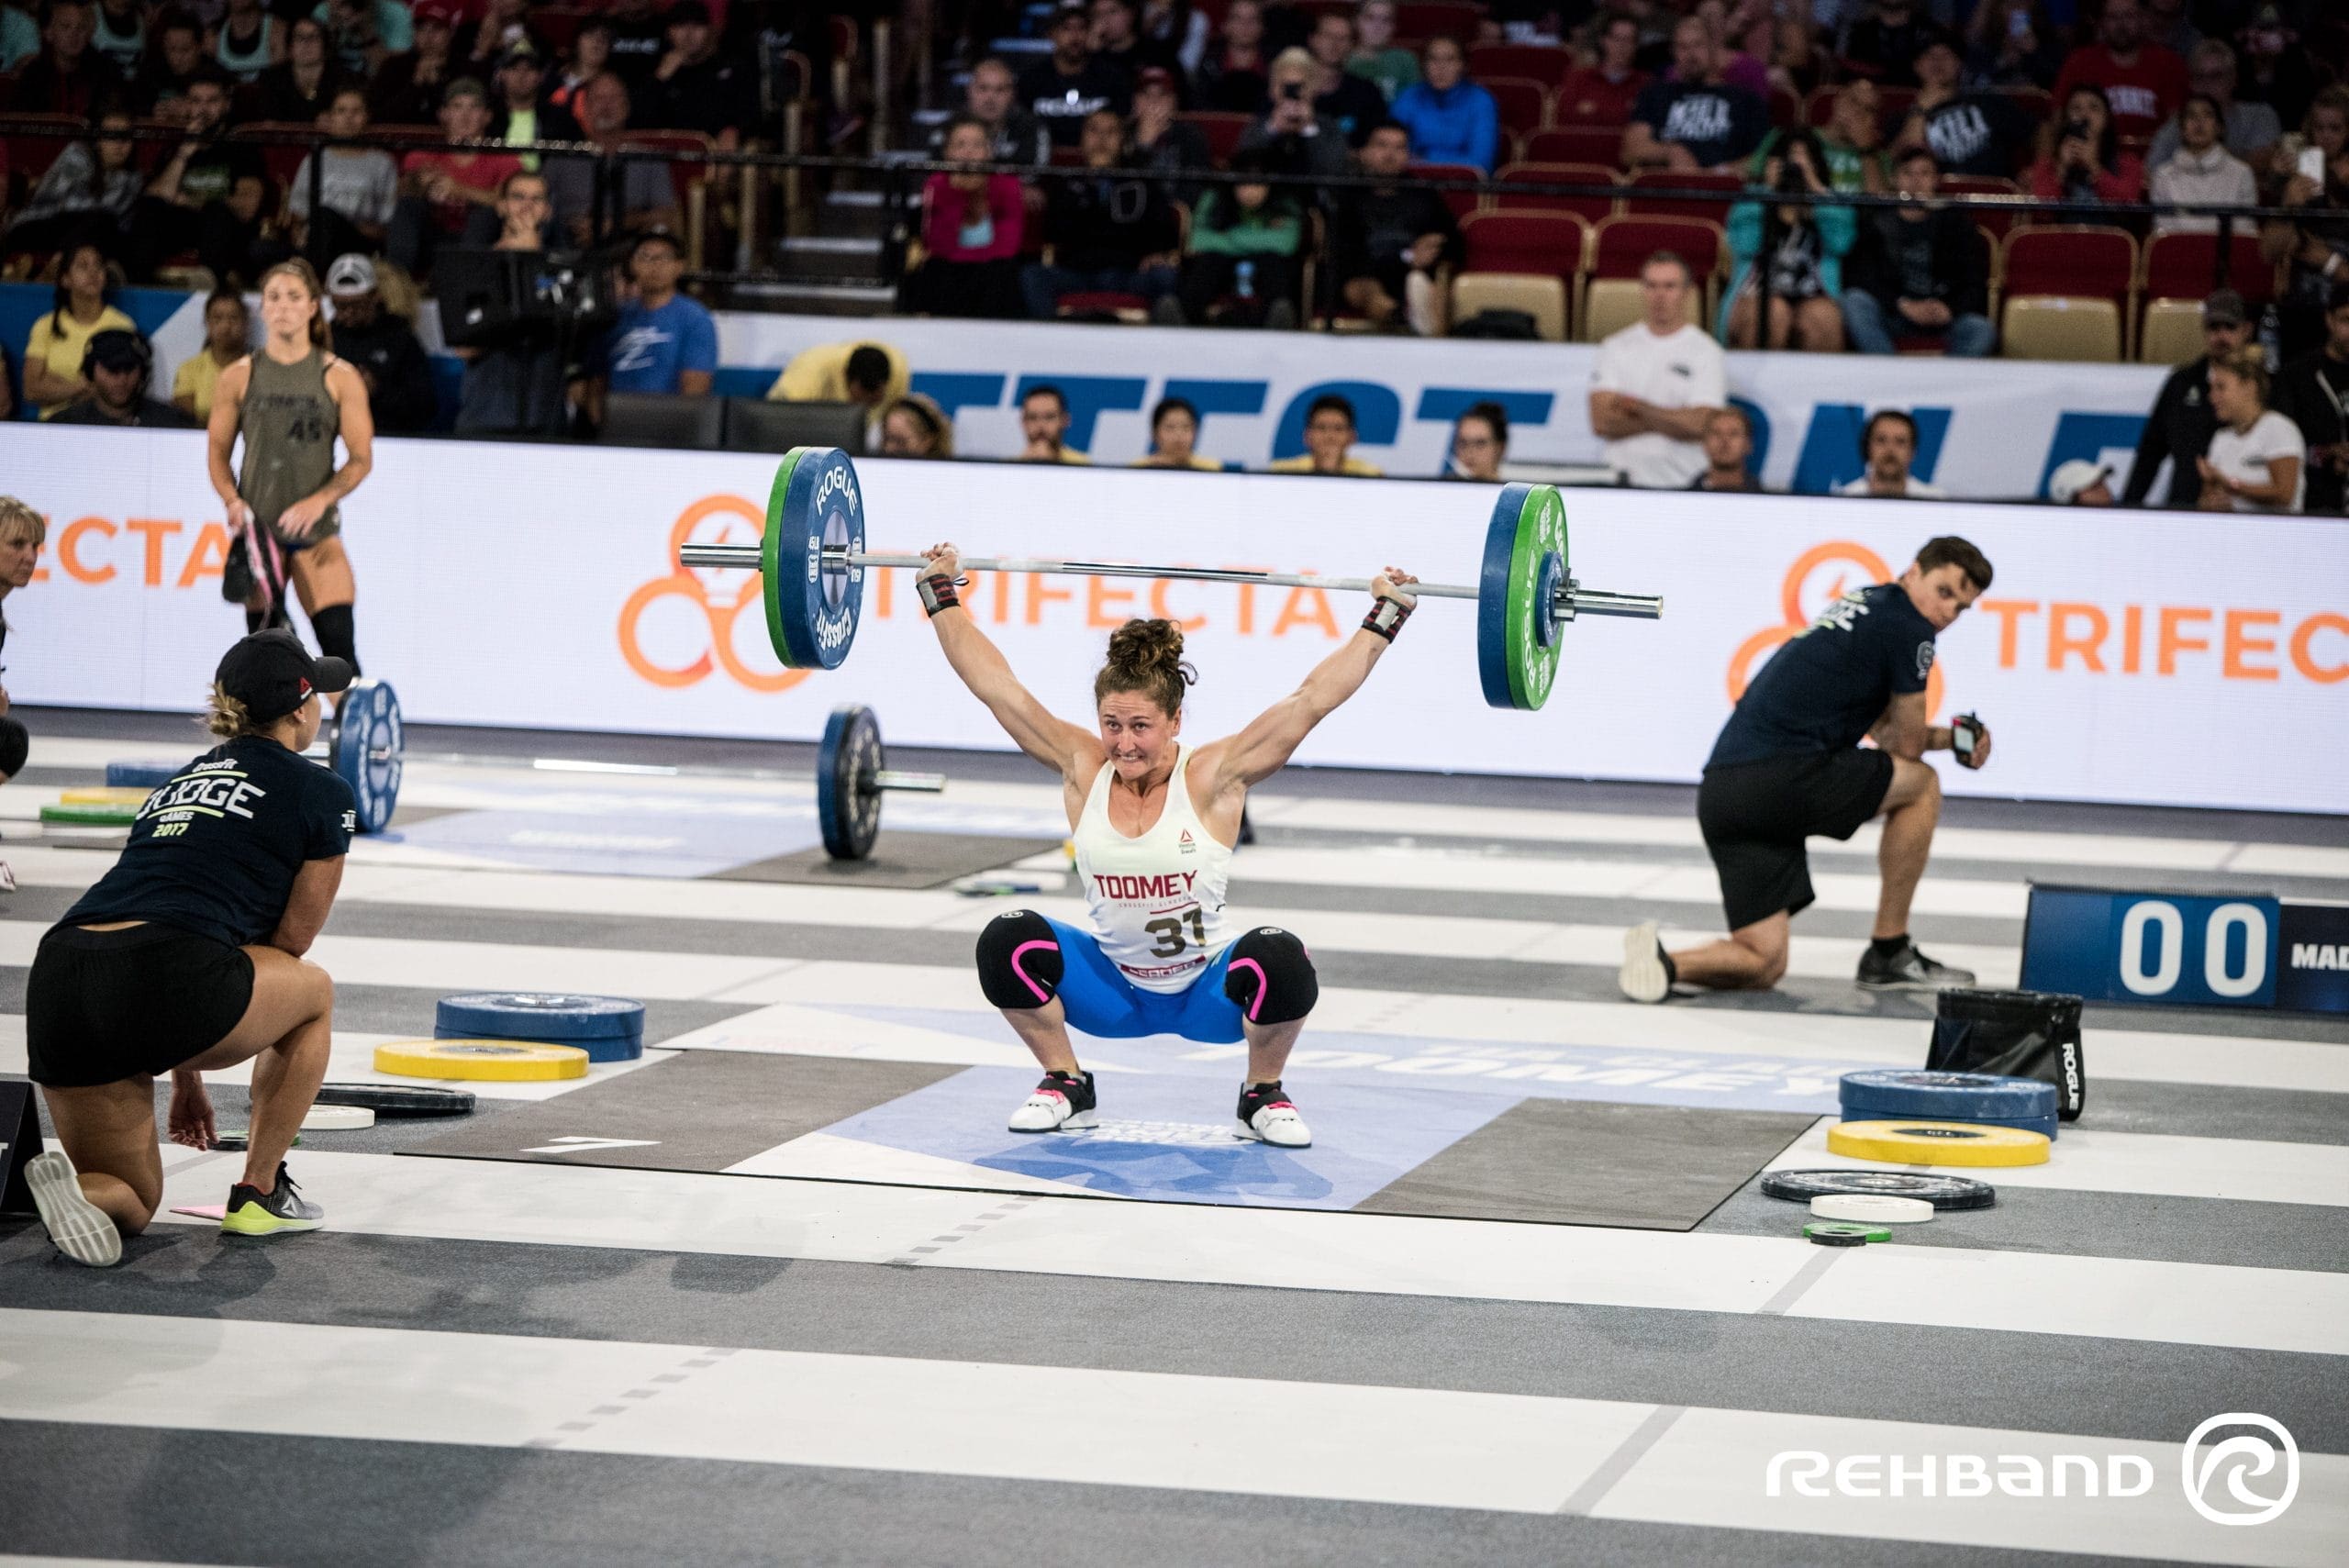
(101, 1007)
(1756, 815)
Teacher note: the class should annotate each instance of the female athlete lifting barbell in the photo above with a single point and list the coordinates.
(187, 958)
(1154, 823)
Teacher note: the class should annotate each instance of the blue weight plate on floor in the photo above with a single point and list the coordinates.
(849, 812)
(599, 1047)
(2040, 1124)
(367, 751)
(812, 608)
(1892, 1094)
(140, 776)
(552, 1017)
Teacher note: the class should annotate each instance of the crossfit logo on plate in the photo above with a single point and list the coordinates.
(2237, 1458)
(721, 594)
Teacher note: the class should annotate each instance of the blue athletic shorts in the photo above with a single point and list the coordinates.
(1103, 1002)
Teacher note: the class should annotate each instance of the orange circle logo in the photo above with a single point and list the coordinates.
(722, 594)
(1819, 576)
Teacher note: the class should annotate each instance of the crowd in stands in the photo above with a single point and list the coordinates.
(1081, 134)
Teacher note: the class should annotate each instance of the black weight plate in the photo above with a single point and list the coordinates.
(848, 805)
(395, 1099)
(1946, 1193)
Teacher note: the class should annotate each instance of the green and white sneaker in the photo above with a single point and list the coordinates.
(254, 1213)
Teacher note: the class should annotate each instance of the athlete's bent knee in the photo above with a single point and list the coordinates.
(1271, 977)
(15, 744)
(1019, 960)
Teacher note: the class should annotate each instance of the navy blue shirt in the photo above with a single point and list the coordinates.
(1827, 687)
(215, 851)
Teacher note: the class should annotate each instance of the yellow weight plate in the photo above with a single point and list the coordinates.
(105, 795)
(1937, 1143)
(506, 1061)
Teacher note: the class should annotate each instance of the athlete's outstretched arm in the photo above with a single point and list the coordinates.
(1051, 741)
(1265, 747)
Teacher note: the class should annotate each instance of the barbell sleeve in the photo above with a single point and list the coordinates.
(924, 783)
(1575, 600)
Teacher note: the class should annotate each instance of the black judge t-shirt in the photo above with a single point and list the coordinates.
(1829, 685)
(215, 851)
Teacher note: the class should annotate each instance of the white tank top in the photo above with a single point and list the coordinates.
(1157, 900)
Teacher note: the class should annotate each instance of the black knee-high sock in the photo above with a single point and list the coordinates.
(335, 636)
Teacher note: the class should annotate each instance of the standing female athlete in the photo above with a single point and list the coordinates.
(289, 399)
(1154, 823)
(187, 958)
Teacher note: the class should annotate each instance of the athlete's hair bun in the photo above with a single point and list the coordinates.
(1147, 656)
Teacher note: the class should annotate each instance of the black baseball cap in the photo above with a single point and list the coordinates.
(271, 674)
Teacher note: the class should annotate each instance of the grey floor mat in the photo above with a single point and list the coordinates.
(898, 859)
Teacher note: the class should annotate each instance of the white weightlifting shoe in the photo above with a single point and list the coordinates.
(1644, 977)
(80, 1228)
(1266, 1115)
(1061, 1104)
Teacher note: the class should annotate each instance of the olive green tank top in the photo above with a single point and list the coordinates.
(289, 423)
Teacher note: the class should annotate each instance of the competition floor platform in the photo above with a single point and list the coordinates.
(783, 1291)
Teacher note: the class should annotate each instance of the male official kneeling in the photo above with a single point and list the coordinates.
(1788, 764)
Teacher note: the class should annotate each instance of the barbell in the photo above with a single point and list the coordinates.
(366, 747)
(812, 560)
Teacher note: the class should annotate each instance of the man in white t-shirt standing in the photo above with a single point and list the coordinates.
(1656, 383)
(1887, 446)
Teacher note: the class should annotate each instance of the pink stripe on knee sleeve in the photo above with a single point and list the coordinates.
(1022, 951)
(1263, 985)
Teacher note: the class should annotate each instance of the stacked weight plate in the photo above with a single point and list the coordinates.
(1976, 1100)
(608, 1028)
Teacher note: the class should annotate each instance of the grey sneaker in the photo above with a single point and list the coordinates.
(80, 1228)
(1644, 977)
(1908, 969)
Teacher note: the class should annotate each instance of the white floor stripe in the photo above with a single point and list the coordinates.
(2139, 1055)
(510, 966)
(1386, 1255)
(2155, 1164)
(1262, 1436)
(353, 1060)
(438, 784)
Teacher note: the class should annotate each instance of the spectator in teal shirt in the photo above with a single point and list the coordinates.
(366, 32)
(1241, 266)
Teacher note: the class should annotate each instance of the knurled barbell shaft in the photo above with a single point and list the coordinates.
(1573, 599)
(887, 778)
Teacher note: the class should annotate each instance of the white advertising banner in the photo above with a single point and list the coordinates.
(1990, 429)
(2176, 659)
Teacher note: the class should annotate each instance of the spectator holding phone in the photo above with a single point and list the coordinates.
(2314, 243)
(1787, 260)
(2086, 163)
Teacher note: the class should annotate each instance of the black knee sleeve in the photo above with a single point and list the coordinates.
(1019, 960)
(1271, 976)
(14, 741)
(335, 640)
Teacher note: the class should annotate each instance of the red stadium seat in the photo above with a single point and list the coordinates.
(1222, 131)
(29, 155)
(557, 25)
(1543, 62)
(1524, 104)
(1461, 202)
(1577, 144)
(281, 160)
(1433, 19)
(1996, 221)
(1547, 244)
(1620, 246)
(2072, 262)
(1786, 110)
(1681, 180)
(1590, 210)
(2186, 266)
